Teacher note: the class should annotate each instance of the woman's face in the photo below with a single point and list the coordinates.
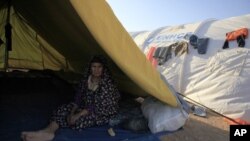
(96, 69)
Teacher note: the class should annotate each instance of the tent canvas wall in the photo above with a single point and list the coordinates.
(218, 79)
(62, 35)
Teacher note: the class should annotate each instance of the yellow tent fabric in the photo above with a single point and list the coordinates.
(66, 33)
(30, 51)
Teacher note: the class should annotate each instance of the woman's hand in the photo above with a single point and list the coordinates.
(83, 112)
(71, 119)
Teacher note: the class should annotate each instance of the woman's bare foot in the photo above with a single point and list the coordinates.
(41, 135)
(47, 134)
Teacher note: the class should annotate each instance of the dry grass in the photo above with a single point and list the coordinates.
(210, 128)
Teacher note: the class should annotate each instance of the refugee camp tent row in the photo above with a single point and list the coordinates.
(207, 61)
(61, 36)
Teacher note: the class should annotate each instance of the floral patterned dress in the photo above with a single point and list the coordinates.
(101, 103)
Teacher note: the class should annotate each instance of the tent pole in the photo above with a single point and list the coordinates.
(8, 37)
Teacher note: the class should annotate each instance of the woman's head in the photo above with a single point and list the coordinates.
(96, 69)
(97, 66)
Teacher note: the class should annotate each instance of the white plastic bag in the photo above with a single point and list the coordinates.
(162, 117)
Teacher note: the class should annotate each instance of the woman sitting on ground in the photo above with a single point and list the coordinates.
(95, 103)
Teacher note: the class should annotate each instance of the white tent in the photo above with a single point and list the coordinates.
(218, 79)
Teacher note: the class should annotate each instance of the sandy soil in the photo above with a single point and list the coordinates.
(210, 128)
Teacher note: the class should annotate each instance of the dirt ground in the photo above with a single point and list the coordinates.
(210, 128)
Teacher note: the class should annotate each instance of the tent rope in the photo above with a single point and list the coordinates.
(197, 103)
